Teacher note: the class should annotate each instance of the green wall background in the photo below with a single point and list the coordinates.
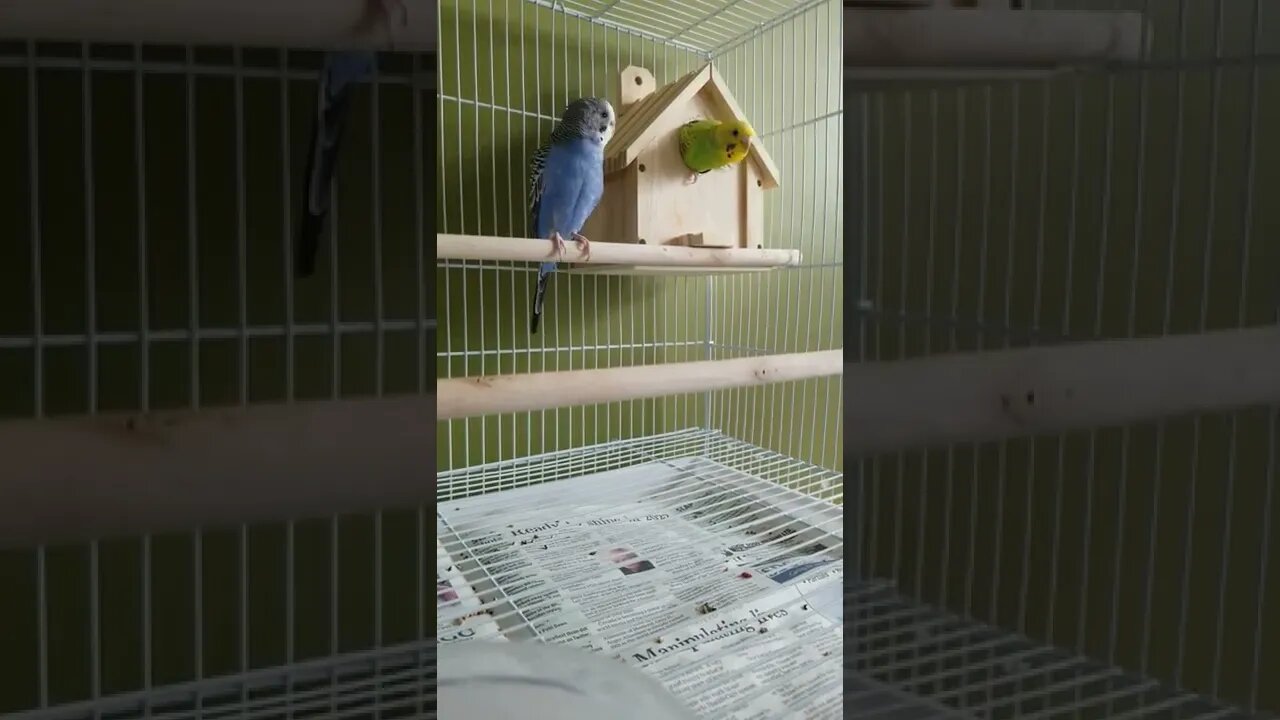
(501, 91)
(1083, 225)
(334, 581)
(337, 597)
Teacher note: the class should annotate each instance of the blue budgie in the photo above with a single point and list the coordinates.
(566, 182)
(342, 71)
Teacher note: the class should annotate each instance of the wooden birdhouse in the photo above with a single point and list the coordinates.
(648, 197)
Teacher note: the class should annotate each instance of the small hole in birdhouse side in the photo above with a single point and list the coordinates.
(641, 241)
(759, 246)
(641, 167)
(759, 183)
(639, 80)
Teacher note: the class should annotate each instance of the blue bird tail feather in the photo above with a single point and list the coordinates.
(540, 293)
(342, 71)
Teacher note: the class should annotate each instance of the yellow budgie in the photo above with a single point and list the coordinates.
(706, 145)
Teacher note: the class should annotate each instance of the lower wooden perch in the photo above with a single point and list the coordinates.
(75, 479)
(466, 397)
(487, 247)
(976, 397)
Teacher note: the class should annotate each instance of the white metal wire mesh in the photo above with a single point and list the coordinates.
(169, 286)
(152, 284)
(978, 670)
(150, 194)
(701, 26)
(391, 682)
(497, 107)
(536, 61)
(1098, 204)
(769, 490)
(507, 68)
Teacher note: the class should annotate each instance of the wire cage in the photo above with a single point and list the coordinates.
(155, 561)
(720, 458)
(185, 393)
(1085, 572)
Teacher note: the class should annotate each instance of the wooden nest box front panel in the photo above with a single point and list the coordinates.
(648, 195)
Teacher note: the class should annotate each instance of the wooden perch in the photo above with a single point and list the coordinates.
(466, 397)
(952, 39)
(320, 24)
(985, 396)
(69, 480)
(484, 247)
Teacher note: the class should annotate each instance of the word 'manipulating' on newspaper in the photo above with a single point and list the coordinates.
(725, 587)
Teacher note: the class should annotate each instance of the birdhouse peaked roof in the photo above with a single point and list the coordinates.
(636, 126)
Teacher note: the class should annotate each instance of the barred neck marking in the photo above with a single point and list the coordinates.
(567, 131)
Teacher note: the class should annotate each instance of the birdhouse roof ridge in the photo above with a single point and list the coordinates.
(635, 124)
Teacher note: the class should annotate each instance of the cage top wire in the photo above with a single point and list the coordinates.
(705, 27)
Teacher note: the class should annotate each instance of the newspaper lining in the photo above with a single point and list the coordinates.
(701, 581)
(458, 609)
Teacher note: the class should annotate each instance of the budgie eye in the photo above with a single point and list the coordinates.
(735, 134)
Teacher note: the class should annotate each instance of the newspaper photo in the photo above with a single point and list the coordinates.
(459, 613)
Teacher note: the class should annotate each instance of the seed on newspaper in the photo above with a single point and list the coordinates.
(593, 552)
(704, 608)
(544, 547)
(744, 574)
(804, 607)
(764, 630)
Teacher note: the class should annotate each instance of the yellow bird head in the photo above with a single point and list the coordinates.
(735, 137)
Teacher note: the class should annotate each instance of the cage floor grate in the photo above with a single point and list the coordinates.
(392, 682)
(976, 670)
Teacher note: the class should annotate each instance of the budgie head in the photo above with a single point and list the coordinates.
(735, 137)
(588, 117)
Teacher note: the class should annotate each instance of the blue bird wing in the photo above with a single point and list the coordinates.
(589, 193)
(536, 178)
(342, 70)
(566, 184)
(561, 183)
